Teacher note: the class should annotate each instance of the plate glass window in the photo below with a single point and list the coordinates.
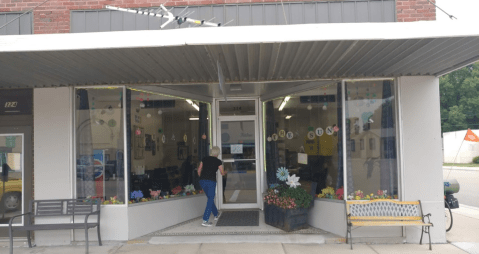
(301, 132)
(99, 144)
(11, 182)
(371, 114)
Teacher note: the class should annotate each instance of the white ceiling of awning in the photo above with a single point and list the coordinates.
(251, 54)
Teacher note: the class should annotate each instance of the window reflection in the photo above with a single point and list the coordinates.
(99, 144)
(370, 114)
(11, 179)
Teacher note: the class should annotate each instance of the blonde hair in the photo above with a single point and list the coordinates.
(215, 151)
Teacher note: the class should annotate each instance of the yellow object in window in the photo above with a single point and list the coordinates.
(326, 145)
(319, 145)
(311, 146)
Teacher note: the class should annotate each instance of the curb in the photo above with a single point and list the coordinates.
(460, 168)
(470, 207)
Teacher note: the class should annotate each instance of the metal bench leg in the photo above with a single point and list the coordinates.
(429, 233)
(422, 232)
(99, 237)
(10, 233)
(29, 239)
(351, 237)
(86, 240)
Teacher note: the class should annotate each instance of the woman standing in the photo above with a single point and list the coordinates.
(207, 172)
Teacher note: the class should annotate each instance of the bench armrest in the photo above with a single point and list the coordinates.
(428, 218)
(93, 213)
(348, 217)
(11, 219)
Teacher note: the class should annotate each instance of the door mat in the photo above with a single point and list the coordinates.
(239, 218)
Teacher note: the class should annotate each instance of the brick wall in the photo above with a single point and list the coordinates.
(54, 15)
(415, 10)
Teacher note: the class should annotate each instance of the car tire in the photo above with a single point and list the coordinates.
(11, 201)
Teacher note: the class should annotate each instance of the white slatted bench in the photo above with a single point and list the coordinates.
(59, 208)
(385, 212)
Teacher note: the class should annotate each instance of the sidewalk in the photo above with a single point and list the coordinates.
(465, 229)
(463, 238)
(237, 248)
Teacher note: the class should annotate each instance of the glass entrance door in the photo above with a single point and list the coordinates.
(238, 138)
(239, 153)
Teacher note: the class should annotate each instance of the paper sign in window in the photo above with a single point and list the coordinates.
(237, 149)
(302, 158)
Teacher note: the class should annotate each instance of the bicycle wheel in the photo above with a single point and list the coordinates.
(448, 217)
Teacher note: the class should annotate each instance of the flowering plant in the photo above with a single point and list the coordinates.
(380, 194)
(113, 201)
(189, 188)
(286, 195)
(136, 194)
(282, 174)
(176, 190)
(359, 194)
(274, 199)
(330, 193)
(155, 194)
(293, 181)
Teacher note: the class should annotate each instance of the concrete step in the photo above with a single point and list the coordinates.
(272, 238)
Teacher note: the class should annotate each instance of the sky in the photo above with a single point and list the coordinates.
(463, 10)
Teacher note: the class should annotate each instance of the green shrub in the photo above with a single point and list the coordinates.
(475, 160)
(301, 197)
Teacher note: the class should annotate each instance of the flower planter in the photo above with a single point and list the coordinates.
(286, 219)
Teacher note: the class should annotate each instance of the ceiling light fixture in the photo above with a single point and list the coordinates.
(194, 118)
(288, 117)
(286, 99)
(193, 104)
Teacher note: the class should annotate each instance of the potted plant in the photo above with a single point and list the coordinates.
(285, 205)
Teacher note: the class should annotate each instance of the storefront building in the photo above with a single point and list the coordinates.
(123, 115)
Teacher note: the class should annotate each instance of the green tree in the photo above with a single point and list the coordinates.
(459, 91)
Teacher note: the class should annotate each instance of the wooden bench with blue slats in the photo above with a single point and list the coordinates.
(385, 212)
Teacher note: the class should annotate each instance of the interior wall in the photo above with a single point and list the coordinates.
(422, 151)
(52, 146)
(150, 126)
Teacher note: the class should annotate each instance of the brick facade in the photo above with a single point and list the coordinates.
(415, 10)
(54, 15)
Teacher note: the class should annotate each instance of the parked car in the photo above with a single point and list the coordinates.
(11, 200)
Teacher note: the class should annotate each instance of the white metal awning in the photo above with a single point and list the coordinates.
(251, 54)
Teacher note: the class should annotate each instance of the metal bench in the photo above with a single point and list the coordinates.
(58, 208)
(384, 212)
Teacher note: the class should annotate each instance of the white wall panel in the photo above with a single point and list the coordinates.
(422, 151)
(113, 225)
(52, 146)
(147, 218)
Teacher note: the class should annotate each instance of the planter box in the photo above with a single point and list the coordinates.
(286, 219)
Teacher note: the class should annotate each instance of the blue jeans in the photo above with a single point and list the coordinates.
(209, 187)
